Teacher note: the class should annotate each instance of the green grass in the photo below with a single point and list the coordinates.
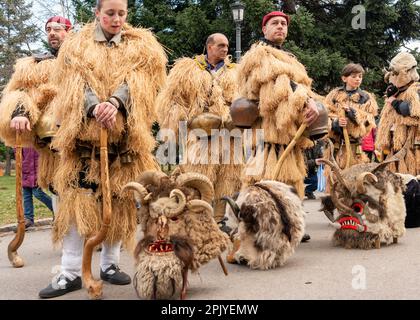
(8, 202)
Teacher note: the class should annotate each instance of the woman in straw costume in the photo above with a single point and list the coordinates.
(199, 91)
(400, 117)
(109, 73)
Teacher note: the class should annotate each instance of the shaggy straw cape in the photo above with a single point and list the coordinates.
(190, 91)
(31, 88)
(265, 74)
(394, 129)
(139, 61)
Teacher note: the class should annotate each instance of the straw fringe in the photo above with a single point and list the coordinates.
(265, 74)
(337, 99)
(404, 128)
(190, 89)
(140, 62)
(29, 87)
(47, 166)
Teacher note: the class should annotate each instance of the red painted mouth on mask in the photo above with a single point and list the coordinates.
(350, 223)
(160, 246)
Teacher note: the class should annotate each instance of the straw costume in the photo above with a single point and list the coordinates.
(280, 83)
(361, 119)
(129, 68)
(400, 121)
(29, 93)
(193, 90)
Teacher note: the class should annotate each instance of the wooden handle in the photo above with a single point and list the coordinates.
(14, 258)
(347, 143)
(289, 148)
(95, 287)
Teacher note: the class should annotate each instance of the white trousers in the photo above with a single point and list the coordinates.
(71, 260)
(55, 201)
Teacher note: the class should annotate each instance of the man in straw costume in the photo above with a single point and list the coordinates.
(278, 82)
(109, 74)
(25, 105)
(199, 91)
(354, 110)
(400, 118)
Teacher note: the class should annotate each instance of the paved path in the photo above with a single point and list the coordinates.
(316, 271)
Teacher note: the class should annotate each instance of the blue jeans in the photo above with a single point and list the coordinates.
(28, 203)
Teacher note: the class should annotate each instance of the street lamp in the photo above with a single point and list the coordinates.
(238, 17)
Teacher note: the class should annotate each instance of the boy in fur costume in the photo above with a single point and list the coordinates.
(26, 101)
(109, 74)
(400, 117)
(197, 89)
(354, 109)
(280, 83)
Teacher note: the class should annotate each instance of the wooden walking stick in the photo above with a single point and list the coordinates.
(95, 287)
(289, 148)
(347, 143)
(14, 258)
(222, 264)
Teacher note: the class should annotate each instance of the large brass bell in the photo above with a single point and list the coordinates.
(319, 128)
(46, 128)
(244, 112)
(206, 121)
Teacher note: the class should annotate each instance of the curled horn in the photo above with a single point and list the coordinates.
(182, 201)
(361, 179)
(233, 205)
(199, 182)
(151, 177)
(200, 205)
(140, 192)
(338, 203)
(337, 173)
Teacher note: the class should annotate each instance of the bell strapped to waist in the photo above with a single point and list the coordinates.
(319, 128)
(244, 112)
(85, 151)
(206, 121)
(46, 128)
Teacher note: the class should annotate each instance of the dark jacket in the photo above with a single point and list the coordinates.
(312, 154)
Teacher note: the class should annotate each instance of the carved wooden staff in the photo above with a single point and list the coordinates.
(14, 258)
(289, 148)
(346, 142)
(95, 287)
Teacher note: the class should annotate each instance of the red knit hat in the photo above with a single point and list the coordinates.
(61, 20)
(275, 14)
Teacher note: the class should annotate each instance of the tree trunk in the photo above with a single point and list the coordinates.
(8, 168)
